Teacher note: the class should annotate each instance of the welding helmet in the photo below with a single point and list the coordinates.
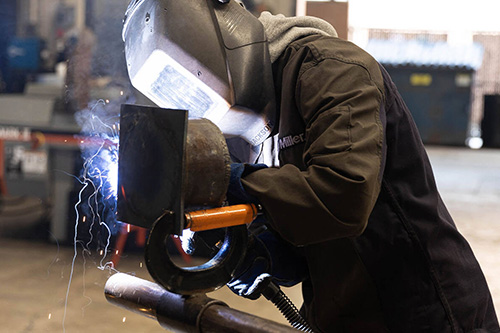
(209, 57)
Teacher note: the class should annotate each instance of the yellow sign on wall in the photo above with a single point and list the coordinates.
(421, 79)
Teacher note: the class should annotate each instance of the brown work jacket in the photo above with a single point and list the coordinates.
(356, 191)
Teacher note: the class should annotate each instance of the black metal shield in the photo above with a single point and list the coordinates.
(151, 165)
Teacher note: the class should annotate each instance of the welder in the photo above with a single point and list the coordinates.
(352, 211)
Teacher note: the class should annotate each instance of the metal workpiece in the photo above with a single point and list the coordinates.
(218, 319)
(151, 165)
(208, 164)
(178, 313)
(198, 279)
(134, 294)
(167, 164)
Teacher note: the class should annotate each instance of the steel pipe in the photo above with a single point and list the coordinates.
(208, 164)
(178, 313)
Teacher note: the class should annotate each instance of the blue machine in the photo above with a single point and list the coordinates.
(24, 54)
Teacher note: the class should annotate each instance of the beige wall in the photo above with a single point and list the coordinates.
(336, 13)
(285, 7)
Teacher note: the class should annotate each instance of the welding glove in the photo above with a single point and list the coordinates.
(236, 194)
(268, 258)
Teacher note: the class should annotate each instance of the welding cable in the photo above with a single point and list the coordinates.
(274, 294)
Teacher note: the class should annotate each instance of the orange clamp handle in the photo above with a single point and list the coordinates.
(222, 217)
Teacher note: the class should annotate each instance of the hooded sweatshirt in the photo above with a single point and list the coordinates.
(281, 30)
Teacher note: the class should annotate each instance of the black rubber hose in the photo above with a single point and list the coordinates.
(274, 294)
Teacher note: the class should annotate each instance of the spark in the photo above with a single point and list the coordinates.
(121, 93)
(75, 253)
(128, 228)
(56, 257)
(50, 315)
(97, 195)
(116, 252)
(85, 251)
(140, 264)
(124, 319)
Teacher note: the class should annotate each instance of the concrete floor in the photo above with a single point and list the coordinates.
(34, 276)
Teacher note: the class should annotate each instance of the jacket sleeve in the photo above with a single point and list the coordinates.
(333, 197)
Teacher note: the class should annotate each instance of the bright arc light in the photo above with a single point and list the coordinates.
(113, 177)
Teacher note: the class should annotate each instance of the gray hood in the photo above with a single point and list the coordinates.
(281, 30)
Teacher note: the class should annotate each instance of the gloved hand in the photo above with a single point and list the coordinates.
(236, 194)
(268, 256)
(252, 276)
